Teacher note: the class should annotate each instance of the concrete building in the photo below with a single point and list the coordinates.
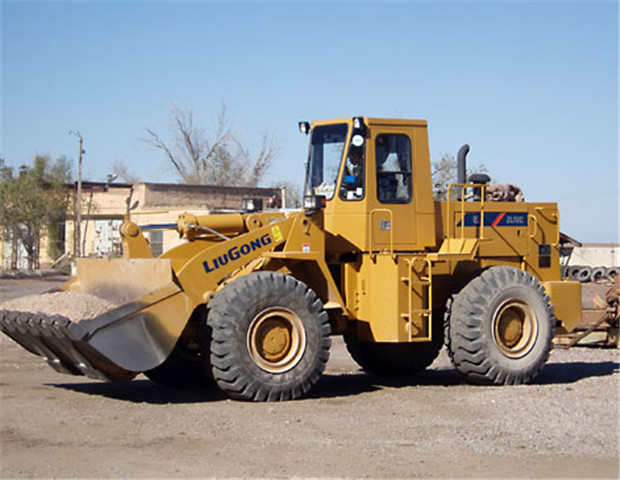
(104, 206)
(595, 255)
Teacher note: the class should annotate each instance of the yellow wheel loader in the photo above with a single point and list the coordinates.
(250, 300)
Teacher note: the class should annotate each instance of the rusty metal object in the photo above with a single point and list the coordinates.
(504, 193)
(603, 332)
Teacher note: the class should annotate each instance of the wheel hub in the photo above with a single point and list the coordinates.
(276, 340)
(273, 339)
(514, 328)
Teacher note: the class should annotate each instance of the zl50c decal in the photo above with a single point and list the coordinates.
(496, 219)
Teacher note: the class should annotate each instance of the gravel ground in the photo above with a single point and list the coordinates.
(73, 305)
(353, 425)
(10, 288)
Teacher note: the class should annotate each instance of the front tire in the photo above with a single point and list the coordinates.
(269, 337)
(499, 327)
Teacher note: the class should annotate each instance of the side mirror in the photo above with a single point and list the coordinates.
(304, 127)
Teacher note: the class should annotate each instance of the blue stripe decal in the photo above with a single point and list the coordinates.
(508, 219)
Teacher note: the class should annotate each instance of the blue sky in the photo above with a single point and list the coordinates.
(531, 86)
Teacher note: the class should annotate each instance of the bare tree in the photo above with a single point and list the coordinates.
(254, 169)
(121, 171)
(445, 173)
(218, 157)
(291, 193)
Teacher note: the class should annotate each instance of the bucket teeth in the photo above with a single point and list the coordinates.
(107, 329)
(54, 337)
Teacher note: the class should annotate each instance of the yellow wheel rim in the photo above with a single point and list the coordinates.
(515, 328)
(276, 340)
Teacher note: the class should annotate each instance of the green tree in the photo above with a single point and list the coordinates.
(33, 200)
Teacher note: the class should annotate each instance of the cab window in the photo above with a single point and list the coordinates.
(352, 184)
(393, 154)
(326, 148)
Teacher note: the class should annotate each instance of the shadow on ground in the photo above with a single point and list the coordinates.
(571, 372)
(331, 385)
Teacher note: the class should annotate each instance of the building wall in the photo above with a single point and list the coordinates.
(596, 255)
(206, 197)
(104, 207)
(6, 252)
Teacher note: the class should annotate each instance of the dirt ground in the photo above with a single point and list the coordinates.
(353, 425)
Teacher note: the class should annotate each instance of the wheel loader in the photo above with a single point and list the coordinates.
(249, 301)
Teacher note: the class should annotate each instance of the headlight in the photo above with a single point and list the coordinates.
(312, 203)
(304, 127)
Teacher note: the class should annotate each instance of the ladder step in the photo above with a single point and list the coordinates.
(423, 281)
(425, 312)
(419, 283)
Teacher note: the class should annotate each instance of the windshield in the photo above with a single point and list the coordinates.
(326, 148)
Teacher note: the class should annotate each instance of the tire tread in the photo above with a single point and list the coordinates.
(260, 290)
(464, 327)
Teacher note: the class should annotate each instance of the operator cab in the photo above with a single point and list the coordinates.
(368, 174)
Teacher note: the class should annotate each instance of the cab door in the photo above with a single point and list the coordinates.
(392, 224)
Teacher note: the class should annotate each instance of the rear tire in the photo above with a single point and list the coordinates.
(396, 359)
(184, 368)
(392, 359)
(269, 337)
(499, 327)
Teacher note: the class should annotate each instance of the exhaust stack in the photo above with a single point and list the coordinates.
(461, 158)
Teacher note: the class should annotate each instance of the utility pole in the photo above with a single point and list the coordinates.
(77, 244)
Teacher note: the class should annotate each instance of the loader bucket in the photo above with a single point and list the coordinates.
(148, 314)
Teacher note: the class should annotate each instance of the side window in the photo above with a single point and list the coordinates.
(352, 185)
(393, 153)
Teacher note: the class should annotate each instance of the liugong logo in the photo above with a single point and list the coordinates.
(235, 253)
